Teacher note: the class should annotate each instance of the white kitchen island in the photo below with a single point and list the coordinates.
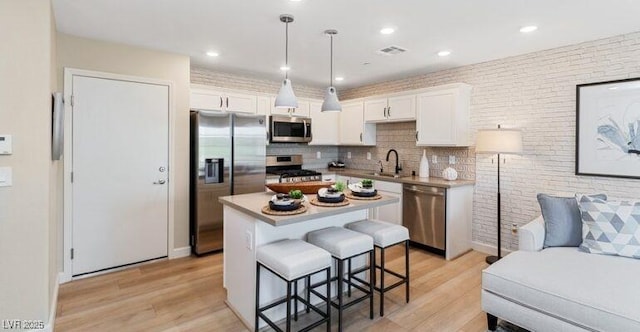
(246, 227)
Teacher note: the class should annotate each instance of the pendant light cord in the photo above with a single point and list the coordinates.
(331, 63)
(286, 50)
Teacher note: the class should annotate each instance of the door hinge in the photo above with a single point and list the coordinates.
(72, 253)
(71, 100)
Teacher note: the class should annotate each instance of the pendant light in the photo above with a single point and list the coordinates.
(286, 98)
(331, 103)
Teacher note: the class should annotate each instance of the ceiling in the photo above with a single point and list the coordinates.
(250, 37)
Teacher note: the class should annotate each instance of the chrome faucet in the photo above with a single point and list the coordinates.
(398, 168)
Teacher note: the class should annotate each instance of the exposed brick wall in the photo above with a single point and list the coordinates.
(535, 92)
(238, 82)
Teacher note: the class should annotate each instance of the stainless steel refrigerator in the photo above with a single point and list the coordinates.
(227, 158)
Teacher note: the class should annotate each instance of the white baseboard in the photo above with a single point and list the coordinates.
(54, 304)
(180, 252)
(488, 249)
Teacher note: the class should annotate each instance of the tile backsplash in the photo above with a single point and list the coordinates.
(401, 136)
(308, 152)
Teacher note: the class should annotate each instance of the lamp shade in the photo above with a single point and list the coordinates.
(286, 98)
(500, 140)
(331, 103)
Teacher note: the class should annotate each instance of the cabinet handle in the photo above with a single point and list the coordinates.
(360, 137)
(220, 102)
(227, 102)
(384, 112)
(389, 111)
(417, 135)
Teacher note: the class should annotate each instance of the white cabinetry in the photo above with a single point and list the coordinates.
(391, 212)
(207, 98)
(324, 125)
(391, 109)
(353, 130)
(442, 116)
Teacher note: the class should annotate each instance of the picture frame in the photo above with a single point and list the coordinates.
(57, 126)
(608, 129)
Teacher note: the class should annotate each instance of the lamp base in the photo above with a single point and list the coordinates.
(491, 259)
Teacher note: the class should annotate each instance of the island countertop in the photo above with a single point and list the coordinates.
(251, 204)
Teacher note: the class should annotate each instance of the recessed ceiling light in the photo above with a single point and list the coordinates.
(387, 31)
(295, 0)
(213, 54)
(444, 53)
(284, 68)
(339, 78)
(528, 28)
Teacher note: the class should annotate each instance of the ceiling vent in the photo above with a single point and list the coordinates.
(392, 50)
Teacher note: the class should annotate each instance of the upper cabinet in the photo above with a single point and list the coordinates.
(442, 116)
(206, 98)
(324, 125)
(353, 130)
(390, 109)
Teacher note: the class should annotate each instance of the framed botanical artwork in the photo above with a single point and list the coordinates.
(608, 129)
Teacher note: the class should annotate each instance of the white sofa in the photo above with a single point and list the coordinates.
(561, 289)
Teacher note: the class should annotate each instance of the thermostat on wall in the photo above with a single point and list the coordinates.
(5, 144)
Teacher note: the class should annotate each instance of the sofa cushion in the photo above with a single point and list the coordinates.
(592, 291)
(562, 222)
(610, 228)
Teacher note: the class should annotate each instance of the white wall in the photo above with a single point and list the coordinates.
(82, 53)
(28, 208)
(535, 92)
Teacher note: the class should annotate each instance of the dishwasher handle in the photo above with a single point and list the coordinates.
(415, 189)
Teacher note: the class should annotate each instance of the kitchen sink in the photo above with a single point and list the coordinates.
(388, 175)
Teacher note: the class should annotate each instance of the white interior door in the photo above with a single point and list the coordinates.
(120, 159)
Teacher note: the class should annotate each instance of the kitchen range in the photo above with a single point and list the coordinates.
(288, 168)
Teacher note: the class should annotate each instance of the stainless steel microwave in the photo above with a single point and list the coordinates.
(288, 129)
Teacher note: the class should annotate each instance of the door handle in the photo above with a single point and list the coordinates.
(160, 182)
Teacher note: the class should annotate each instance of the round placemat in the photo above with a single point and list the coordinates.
(349, 195)
(316, 202)
(267, 210)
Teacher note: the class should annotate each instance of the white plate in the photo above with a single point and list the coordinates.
(322, 192)
(290, 201)
(357, 187)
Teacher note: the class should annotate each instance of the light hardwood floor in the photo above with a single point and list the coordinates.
(187, 295)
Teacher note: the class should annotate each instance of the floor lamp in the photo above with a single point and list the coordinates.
(499, 141)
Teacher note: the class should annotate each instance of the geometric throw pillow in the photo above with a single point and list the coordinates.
(562, 221)
(610, 228)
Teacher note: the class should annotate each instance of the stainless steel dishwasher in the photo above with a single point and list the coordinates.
(424, 214)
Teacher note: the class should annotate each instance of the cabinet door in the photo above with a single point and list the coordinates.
(205, 99)
(442, 116)
(375, 110)
(352, 124)
(240, 103)
(324, 125)
(391, 212)
(402, 108)
(302, 110)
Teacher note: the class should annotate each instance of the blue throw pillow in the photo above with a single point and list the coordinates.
(562, 221)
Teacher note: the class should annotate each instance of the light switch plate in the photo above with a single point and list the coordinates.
(5, 144)
(452, 160)
(318, 155)
(5, 177)
(434, 159)
(368, 155)
(349, 155)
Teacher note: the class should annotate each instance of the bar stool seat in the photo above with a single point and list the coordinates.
(344, 244)
(292, 261)
(386, 235)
